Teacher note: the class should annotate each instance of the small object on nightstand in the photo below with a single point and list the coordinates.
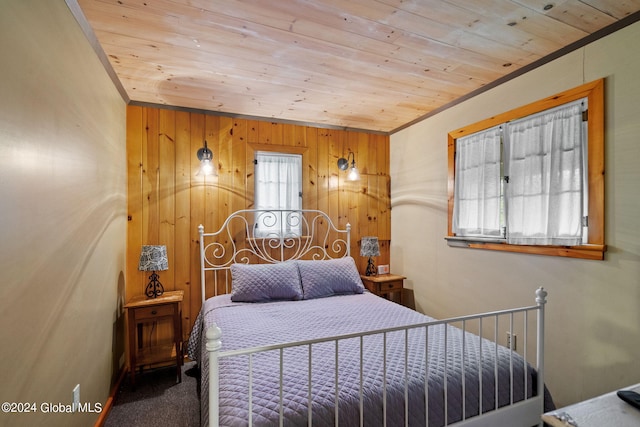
(630, 396)
(141, 310)
(564, 418)
(384, 284)
(383, 269)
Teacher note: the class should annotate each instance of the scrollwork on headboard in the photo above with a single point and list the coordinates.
(269, 236)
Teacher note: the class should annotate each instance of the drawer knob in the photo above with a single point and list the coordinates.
(154, 312)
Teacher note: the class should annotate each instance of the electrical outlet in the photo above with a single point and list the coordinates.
(76, 397)
(512, 341)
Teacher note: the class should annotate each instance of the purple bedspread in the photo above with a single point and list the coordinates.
(246, 325)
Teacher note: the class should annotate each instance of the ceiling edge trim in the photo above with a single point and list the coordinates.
(610, 29)
(262, 119)
(77, 13)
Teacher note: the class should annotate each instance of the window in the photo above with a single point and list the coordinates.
(278, 186)
(529, 181)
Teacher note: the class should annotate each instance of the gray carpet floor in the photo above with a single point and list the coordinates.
(158, 400)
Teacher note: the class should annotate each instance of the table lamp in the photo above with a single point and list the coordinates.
(369, 247)
(153, 258)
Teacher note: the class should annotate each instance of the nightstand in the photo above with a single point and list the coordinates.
(384, 284)
(605, 410)
(142, 310)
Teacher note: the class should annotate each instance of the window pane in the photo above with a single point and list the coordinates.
(477, 185)
(544, 163)
(278, 187)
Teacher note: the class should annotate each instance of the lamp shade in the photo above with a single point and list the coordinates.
(153, 258)
(369, 246)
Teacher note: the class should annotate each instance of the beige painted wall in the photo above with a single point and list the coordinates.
(593, 329)
(62, 215)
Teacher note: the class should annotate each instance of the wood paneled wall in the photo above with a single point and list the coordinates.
(167, 201)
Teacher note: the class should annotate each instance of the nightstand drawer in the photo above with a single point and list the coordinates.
(384, 284)
(391, 286)
(155, 312)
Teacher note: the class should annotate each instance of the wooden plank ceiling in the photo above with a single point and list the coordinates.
(357, 64)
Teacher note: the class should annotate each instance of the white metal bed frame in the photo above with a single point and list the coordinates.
(220, 249)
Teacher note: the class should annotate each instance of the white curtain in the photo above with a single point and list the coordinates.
(278, 186)
(544, 165)
(477, 194)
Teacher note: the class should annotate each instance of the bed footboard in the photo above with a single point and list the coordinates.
(513, 411)
(213, 346)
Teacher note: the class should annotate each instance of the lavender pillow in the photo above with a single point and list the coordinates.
(265, 282)
(329, 277)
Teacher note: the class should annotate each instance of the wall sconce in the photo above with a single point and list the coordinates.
(343, 165)
(369, 247)
(206, 161)
(153, 258)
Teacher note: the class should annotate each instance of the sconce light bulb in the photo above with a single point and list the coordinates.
(206, 167)
(353, 175)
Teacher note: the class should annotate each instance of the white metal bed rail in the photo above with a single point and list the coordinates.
(524, 413)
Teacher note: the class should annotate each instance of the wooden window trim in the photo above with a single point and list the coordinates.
(595, 247)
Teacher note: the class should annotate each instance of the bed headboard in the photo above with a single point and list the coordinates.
(267, 236)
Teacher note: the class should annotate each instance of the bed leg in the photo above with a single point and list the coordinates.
(214, 343)
(541, 300)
